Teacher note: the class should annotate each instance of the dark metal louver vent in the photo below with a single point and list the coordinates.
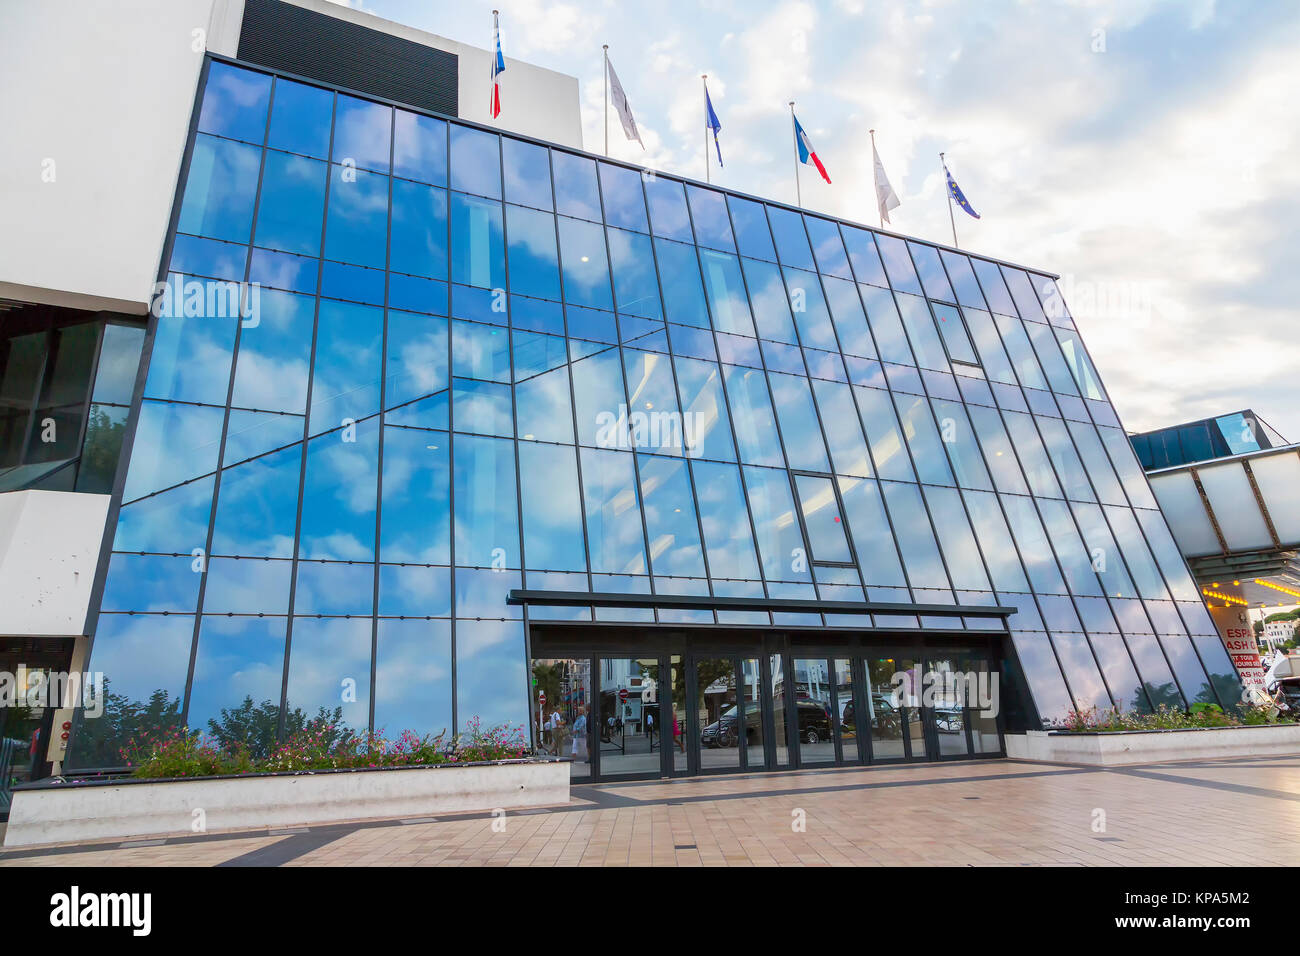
(295, 40)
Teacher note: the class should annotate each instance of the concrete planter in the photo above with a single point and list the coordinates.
(110, 810)
(1111, 749)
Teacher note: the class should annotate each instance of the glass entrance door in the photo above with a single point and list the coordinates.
(718, 715)
(628, 728)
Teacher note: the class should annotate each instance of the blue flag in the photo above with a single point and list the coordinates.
(956, 192)
(711, 122)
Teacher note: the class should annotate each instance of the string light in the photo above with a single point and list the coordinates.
(1225, 598)
(1277, 587)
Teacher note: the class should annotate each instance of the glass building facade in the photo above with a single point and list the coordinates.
(465, 367)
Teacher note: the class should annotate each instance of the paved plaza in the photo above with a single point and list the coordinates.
(982, 813)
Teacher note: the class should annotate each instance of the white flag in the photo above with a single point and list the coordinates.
(885, 195)
(620, 103)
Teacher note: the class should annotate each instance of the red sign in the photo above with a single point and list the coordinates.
(622, 695)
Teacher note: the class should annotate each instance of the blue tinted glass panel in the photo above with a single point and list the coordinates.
(1022, 354)
(791, 239)
(624, 201)
(553, 537)
(420, 148)
(475, 162)
(753, 237)
(850, 320)
(953, 332)
(419, 232)
(362, 133)
(780, 542)
(1068, 466)
(614, 533)
(323, 654)
(1032, 541)
(886, 441)
(821, 517)
(292, 206)
(964, 283)
(959, 548)
(258, 506)
(683, 294)
(963, 450)
(995, 541)
(709, 214)
(413, 677)
(586, 268)
(339, 496)
(300, 118)
(933, 277)
(863, 256)
(348, 358)
(1081, 671)
(668, 214)
(234, 103)
(882, 314)
(477, 243)
(915, 536)
(282, 270)
(1022, 290)
(635, 287)
(704, 410)
(528, 174)
(240, 661)
(669, 508)
(989, 345)
(1074, 558)
(922, 333)
(923, 439)
(490, 672)
(415, 526)
(1045, 344)
(809, 308)
(994, 289)
(898, 264)
(998, 453)
(271, 371)
(534, 269)
(727, 537)
(191, 359)
(873, 540)
(827, 247)
(220, 189)
(576, 191)
(357, 230)
(751, 411)
(799, 426)
(726, 292)
(843, 433)
(1038, 468)
(487, 527)
(1080, 365)
(771, 307)
(1105, 556)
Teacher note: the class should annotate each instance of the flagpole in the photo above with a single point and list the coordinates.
(605, 100)
(951, 218)
(879, 215)
(704, 78)
(794, 131)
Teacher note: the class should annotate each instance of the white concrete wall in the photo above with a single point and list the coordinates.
(1115, 749)
(82, 813)
(535, 101)
(95, 101)
(49, 545)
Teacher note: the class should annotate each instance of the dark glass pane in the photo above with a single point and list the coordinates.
(420, 148)
(234, 103)
(933, 277)
(101, 449)
(300, 118)
(821, 517)
(953, 331)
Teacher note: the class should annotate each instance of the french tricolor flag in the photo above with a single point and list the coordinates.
(498, 67)
(807, 154)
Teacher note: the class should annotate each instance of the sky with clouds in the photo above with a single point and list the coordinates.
(1145, 150)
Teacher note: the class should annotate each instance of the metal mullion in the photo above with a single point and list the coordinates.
(381, 417)
(514, 411)
(100, 578)
(225, 421)
(622, 371)
(726, 400)
(306, 438)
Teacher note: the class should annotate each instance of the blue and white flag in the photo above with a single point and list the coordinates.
(956, 193)
(711, 122)
(498, 67)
